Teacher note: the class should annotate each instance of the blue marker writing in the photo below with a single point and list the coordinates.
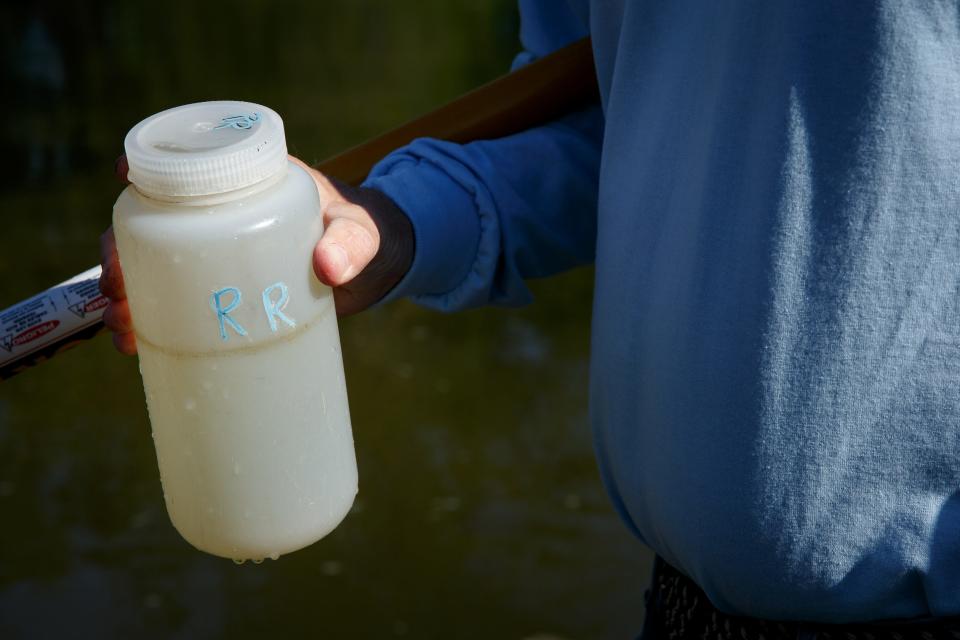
(238, 122)
(223, 313)
(273, 309)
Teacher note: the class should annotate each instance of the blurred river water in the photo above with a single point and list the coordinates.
(480, 513)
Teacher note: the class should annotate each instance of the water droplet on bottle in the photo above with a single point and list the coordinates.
(177, 259)
(257, 560)
(190, 404)
(274, 555)
(236, 468)
(238, 561)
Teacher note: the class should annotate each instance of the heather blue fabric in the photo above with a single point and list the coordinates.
(772, 197)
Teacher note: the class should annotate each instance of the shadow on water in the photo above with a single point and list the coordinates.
(480, 511)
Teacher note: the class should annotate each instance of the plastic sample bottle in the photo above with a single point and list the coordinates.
(237, 339)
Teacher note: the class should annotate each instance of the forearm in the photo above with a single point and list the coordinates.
(489, 214)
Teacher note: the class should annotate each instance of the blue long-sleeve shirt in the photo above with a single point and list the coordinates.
(771, 194)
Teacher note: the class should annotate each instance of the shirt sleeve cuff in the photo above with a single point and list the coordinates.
(445, 222)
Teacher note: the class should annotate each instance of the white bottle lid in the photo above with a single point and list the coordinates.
(205, 148)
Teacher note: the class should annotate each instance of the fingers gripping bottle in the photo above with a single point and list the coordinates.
(237, 339)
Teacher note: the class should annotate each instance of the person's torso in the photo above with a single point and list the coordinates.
(776, 334)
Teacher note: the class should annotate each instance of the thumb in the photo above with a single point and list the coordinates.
(350, 241)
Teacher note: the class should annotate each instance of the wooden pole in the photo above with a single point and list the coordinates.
(537, 93)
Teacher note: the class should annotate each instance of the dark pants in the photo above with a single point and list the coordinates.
(677, 609)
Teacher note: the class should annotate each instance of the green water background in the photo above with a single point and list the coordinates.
(480, 514)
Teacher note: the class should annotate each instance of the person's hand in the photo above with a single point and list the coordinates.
(366, 248)
(367, 243)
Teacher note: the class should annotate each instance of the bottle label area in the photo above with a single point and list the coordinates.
(227, 299)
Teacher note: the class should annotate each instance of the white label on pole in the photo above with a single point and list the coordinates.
(51, 316)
